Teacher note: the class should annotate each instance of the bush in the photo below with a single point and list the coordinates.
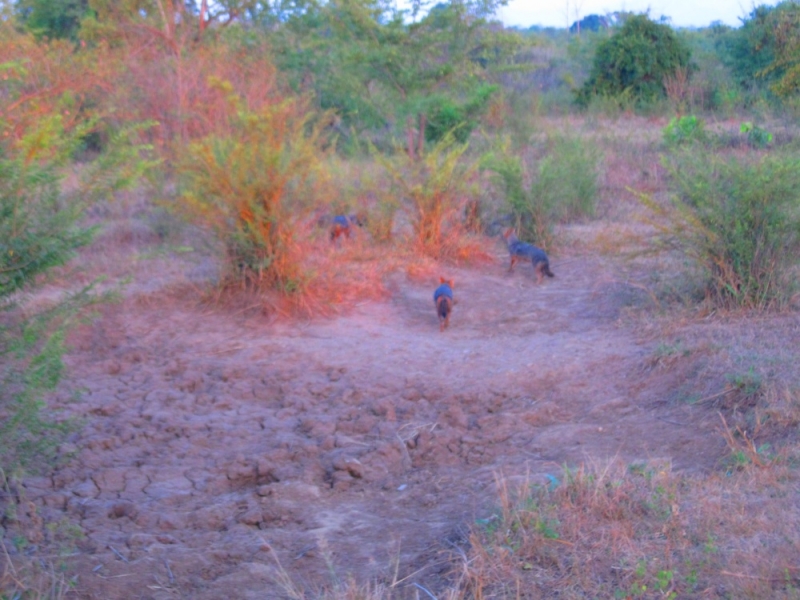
(739, 221)
(53, 19)
(756, 136)
(435, 187)
(681, 130)
(751, 51)
(567, 178)
(564, 186)
(249, 183)
(40, 229)
(444, 115)
(37, 233)
(635, 61)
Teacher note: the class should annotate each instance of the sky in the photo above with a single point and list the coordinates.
(684, 13)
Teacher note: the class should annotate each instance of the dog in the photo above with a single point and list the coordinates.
(343, 225)
(519, 250)
(443, 298)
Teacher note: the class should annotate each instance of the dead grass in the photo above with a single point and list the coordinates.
(607, 530)
(31, 578)
(611, 530)
(26, 571)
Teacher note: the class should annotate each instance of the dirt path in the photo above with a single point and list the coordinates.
(214, 444)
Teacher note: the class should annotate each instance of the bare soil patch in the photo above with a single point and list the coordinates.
(215, 444)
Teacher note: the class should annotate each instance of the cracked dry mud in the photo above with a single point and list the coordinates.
(213, 444)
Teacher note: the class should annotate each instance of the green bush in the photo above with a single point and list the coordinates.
(635, 61)
(444, 115)
(55, 20)
(756, 136)
(40, 229)
(739, 220)
(750, 51)
(567, 178)
(682, 130)
(563, 186)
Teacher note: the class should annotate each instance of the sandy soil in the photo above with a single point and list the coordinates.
(215, 445)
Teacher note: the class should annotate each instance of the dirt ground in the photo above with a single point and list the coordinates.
(216, 446)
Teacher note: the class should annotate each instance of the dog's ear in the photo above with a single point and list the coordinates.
(442, 279)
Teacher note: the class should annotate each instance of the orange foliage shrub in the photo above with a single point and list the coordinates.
(435, 190)
(251, 183)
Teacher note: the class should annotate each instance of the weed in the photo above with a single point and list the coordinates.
(747, 384)
(668, 353)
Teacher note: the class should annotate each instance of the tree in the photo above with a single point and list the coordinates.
(362, 59)
(785, 68)
(635, 61)
(750, 49)
(590, 23)
(55, 19)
